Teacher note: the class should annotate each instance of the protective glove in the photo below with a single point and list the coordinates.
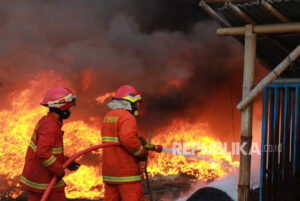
(144, 158)
(73, 166)
(61, 176)
(142, 140)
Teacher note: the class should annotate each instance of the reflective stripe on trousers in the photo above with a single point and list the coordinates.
(122, 179)
(40, 186)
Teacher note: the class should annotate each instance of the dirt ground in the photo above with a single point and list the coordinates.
(163, 189)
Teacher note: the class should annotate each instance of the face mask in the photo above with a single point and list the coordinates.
(134, 110)
(135, 113)
(62, 114)
(65, 114)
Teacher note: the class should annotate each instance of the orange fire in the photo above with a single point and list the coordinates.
(17, 124)
(215, 163)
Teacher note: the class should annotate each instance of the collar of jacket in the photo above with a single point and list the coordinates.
(50, 115)
(120, 104)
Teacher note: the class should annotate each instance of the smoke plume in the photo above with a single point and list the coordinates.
(166, 49)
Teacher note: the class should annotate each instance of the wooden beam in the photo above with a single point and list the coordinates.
(213, 14)
(269, 78)
(275, 12)
(247, 115)
(261, 29)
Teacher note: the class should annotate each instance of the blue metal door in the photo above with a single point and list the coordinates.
(280, 168)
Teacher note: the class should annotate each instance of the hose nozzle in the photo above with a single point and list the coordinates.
(152, 147)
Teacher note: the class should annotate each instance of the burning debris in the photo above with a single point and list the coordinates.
(88, 178)
(44, 45)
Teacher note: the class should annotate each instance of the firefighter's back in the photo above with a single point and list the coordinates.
(118, 163)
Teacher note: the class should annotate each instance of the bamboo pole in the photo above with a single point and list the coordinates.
(261, 29)
(269, 78)
(247, 115)
(275, 12)
(213, 14)
(282, 18)
(240, 13)
(287, 81)
(249, 20)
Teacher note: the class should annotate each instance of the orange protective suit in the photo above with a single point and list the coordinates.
(124, 192)
(120, 164)
(54, 196)
(44, 157)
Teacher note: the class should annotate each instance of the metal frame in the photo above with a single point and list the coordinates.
(279, 176)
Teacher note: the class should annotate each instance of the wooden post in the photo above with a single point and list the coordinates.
(247, 114)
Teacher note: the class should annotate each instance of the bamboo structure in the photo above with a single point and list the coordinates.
(213, 14)
(246, 127)
(249, 20)
(240, 13)
(269, 78)
(223, 24)
(275, 12)
(269, 170)
(261, 29)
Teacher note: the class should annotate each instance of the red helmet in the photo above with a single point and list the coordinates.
(127, 92)
(59, 97)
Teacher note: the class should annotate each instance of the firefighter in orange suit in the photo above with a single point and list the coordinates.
(120, 165)
(45, 153)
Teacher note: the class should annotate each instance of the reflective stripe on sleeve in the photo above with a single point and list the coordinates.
(110, 139)
(49, 161)
(138, 151)
(122, 179)
(57, 150)
(39, 185)
(32, 145)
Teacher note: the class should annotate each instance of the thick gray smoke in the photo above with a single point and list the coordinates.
(167, 49)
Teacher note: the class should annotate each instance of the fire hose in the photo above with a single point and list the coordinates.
(151, 147)
(68, 162)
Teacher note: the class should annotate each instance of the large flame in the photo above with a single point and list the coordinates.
(16, 127)
(204, 163)
(17, 124)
